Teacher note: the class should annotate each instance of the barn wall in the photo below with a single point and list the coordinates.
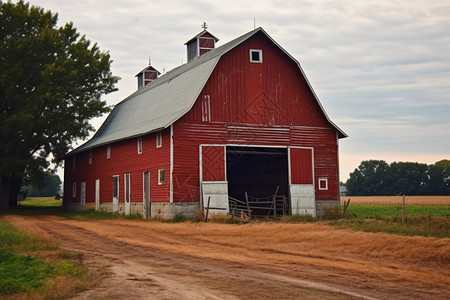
(265, 104)
(187, 137)
(124, 159)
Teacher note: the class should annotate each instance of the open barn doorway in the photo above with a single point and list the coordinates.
(258, 179)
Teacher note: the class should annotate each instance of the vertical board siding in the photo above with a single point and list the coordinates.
(301, 166)
(213, 163)
(124, 159)
(267, 104)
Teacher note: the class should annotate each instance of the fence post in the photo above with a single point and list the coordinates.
(403, 209)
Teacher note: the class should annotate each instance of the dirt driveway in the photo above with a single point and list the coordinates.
(152, 260)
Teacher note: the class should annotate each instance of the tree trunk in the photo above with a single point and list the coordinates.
(4, 193)
(9, 189)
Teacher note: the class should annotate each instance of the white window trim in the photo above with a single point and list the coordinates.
(139, 144)
(74, 189)
(108, 152)
(326, 184)
(159, 139)
(260, 56)
(162, 180)
(206, 108)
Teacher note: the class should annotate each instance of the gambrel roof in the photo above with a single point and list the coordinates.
(165, 100)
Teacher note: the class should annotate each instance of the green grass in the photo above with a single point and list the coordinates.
(389, 212)
(23, 271)
(433, 221)
(35, 202)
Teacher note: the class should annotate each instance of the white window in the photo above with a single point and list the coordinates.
(90, 157)
(158, 139)
(108, 152)
(206, 108)
(323, 184)
(161, 176)
(256, 56)
(139, 144)
(74, 189)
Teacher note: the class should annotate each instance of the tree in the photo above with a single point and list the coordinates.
(46, 186)
(407, 178)
(51, 83)
(368, 179)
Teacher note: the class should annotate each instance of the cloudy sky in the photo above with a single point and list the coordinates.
(381, 69)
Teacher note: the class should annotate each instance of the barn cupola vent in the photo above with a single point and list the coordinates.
(147, 75)
(200, 44)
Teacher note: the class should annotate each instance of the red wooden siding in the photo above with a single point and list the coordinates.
(301, 166)
(265, 104)
(213, 163)
(124, 159)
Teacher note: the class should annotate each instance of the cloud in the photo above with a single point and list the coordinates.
(380, 68)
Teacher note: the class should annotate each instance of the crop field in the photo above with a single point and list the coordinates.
(397, 200)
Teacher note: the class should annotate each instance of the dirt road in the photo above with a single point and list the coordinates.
(152, 260)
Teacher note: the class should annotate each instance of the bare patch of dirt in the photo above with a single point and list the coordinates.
(146, 259)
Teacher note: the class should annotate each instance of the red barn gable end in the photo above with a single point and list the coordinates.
(238, 120)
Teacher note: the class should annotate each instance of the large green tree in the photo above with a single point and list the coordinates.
(51, 83)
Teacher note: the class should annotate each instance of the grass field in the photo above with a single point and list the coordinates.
(397, 200)
(32, 268)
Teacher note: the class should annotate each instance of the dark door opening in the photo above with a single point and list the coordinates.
(257, 171)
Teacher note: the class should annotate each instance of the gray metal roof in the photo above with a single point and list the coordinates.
(165, 100)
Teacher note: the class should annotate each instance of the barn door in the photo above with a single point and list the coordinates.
(213, 180)
(127, 193)
(115, 204)
(301, 183)
(97, 194)
(146, 190)
(83, 194)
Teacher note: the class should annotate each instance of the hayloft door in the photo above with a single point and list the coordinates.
(301, 183)
(115, 204)
(214, 185)
(146, 205)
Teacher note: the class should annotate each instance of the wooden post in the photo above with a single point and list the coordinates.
(248, 207)
(403, 209)
(207, 209)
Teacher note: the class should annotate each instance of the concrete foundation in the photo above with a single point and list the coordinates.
(166, 210)
(163, 210)
(323, 205)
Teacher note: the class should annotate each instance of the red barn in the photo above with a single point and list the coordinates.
(236, 121)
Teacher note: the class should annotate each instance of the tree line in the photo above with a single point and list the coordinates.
(378, 178)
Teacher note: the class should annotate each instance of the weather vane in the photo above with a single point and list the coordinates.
(204, 26)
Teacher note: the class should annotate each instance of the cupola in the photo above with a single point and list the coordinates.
(147, 75)
(200, 44)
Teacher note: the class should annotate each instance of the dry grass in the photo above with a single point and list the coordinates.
(314, 251)
(397, 200)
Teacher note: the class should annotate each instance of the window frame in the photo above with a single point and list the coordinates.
(259, 51)
(139, 145)
(161, 176)
(90, 157)
(108, 152)
(320, 181)
(159, 139)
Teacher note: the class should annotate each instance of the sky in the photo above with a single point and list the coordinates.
(381, 69)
